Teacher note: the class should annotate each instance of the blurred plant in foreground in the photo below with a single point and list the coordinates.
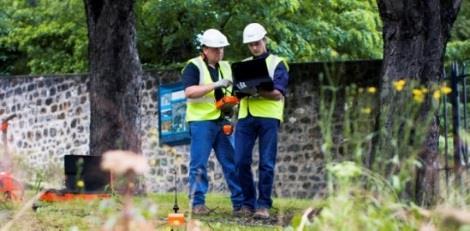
(367, 177)
(125, 166)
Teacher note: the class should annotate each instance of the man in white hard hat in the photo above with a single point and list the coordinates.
(259, 117)
(207, 79)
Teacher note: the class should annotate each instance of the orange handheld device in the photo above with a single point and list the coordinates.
(227, 102)
(227, 129)
(226, 105)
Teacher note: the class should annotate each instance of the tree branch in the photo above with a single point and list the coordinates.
(230, 14)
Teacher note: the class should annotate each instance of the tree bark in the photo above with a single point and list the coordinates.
(115, 76)
(415, 35)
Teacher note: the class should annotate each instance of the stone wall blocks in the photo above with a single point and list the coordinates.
(294, 148)
(298, 162)
(52, 91)
(293, 169)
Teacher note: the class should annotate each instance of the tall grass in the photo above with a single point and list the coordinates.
(370, 166)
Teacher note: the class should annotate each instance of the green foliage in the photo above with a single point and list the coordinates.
(350, 126)
(458, 47)
(298, 30)
(48, 36)
(44, 36)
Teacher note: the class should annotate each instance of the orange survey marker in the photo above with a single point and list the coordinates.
(176, 219)
(10, 188)
(4, 126)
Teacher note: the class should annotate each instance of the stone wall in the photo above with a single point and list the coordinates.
(53, 120)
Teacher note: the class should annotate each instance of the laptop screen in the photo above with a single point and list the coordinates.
(251, 73)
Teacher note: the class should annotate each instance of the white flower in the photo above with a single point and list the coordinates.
(119, 161)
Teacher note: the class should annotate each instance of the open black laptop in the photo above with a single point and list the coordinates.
(251, 74)
(88, 169)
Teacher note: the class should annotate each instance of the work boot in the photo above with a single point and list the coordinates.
(262, 213)
(200, 210)
(244, 211)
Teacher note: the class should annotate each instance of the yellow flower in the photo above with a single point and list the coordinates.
(399, 84)
(80, 184)
(366, 110)
(418, 95)
(372, 90)
(437, 94)
(446, 90)
(424, 90)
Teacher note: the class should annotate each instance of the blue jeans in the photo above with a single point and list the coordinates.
(247, 131)
(205, 136)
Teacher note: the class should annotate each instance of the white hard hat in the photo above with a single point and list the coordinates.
(214, 38)
(253, 32)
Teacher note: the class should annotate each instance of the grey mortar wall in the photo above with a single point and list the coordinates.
(53, 120)
(52, 117)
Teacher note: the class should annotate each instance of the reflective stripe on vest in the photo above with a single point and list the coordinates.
(203, 108)
(260, 106)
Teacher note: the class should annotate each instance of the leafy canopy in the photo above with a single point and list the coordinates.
(43, 36)
(458, 47)
(50, 36)
(309, 30)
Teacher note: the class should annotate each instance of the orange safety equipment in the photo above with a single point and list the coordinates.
(227, 103)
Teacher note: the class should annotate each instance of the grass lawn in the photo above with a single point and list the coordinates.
(92, 215)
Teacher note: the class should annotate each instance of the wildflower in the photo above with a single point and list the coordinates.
(366, 110)
(418, 95)
(446, 90)
(120, 162)
(436, 95)
(424, 90)
(372, 90)
(399, 85)
(80, 184)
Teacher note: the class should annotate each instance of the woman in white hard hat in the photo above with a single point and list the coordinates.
(259, 117)
(206, 79)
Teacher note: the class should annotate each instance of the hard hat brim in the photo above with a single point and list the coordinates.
(216, 46)
(253, 39)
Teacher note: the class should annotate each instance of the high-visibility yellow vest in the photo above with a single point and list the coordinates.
(203, 108)
(262, 107)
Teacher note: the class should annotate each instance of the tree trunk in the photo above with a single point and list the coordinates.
(415, 34)
(115, 76)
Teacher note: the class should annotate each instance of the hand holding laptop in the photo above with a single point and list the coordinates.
(250, 91)
(223, 83)
(250, 76)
